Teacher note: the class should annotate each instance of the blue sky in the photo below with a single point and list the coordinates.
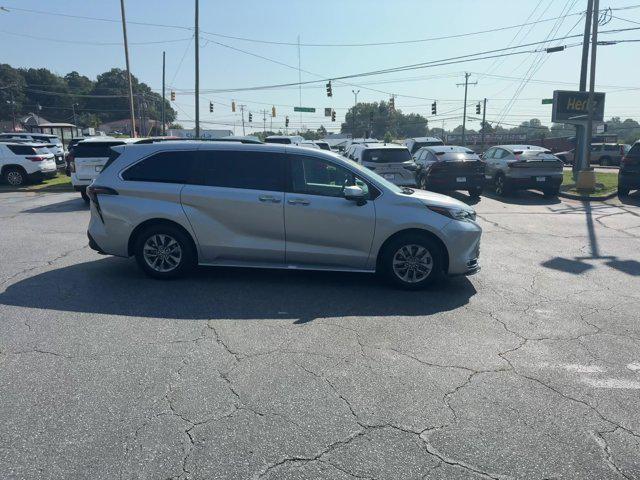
(348, 21)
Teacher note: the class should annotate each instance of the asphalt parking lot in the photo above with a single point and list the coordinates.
(530, 369)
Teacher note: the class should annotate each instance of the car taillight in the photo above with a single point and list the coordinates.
(36, 158)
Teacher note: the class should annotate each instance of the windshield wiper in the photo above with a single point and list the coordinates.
(407, 190)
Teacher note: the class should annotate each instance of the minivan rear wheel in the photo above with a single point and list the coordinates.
(412, 262)
(164, 251)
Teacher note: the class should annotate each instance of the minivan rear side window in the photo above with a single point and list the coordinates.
(163, 167)
(241, 169)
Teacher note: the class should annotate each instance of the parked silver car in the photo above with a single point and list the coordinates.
(173, 205)
(519, 167)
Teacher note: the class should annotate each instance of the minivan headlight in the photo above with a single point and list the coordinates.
(454, 213)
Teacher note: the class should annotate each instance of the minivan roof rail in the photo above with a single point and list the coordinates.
(174, 139)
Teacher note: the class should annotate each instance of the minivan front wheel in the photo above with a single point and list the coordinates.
(412, 262)
(164, 252)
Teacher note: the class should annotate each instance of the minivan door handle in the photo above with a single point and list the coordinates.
(268, 198)
(298, 201)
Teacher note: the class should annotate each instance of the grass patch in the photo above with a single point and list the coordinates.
(59, 183)
(606, 184)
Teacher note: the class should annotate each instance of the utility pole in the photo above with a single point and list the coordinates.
(484, 116)
(443, 139)
(13, 111)
(73, 109)
(126, 56)
(580, 131)
(353, 114)
(197, 47)
(299, 79)
(592, 84)
(242, 113)
(264, 122)
(164, 131)
(464, 112)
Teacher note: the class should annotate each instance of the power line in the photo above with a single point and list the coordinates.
(83, 42)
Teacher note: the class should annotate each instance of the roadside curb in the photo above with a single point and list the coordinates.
(587, 198)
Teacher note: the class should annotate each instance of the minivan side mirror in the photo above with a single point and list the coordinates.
(355, 194)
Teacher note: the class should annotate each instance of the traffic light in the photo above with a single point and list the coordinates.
(173, 96)
(210, 107)
(333, 115)
(434, 108)
(286, 121)
(233, 106)
(392, 104)
(273, 111)
(478, 109)
(329, 89)
(250, 117)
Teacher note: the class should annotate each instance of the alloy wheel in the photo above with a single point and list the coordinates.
(500, 185)
(15, 178)
(412, 263)
(162, 252)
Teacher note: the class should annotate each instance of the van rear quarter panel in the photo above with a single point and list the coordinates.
(136, 203)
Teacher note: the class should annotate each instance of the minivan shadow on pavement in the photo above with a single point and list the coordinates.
(74, 205)
(114, 286)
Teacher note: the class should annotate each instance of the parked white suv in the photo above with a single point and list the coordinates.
(87, 158)
(391, 161)
(174, 205)
(21, 162)
(56, 144)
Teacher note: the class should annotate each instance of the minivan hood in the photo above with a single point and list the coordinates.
(439, 200)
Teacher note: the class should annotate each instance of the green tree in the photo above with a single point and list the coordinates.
(12, 92)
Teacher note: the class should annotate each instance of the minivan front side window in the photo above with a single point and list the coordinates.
(315, 176)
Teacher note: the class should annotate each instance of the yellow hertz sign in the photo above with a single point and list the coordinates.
(570, 107)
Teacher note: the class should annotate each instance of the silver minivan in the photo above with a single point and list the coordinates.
(174, 205)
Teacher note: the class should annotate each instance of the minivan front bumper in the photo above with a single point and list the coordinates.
(462, 239)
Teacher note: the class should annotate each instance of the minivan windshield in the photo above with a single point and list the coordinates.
(386, 155)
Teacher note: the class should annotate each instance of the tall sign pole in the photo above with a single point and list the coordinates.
(484, 116)
(197, 47)
(164, 131)
(592, 84)
(353, 115)
(126, 56)
(580, 131)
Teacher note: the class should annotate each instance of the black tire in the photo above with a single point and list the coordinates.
(410, 241)
(15, 176)
(623, 191)
(422, 182)
(605, 162)
(501, 186)
(187, 254)
(475, 192)
(85, 197)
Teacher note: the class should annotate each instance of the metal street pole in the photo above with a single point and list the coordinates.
(353, 114)
(592, 84)
(126, 56)
(164, 132)
(242, 112)
(580, 130)
(464, 112)
(264, 122)
(484, 116)
(197, 47)
(73, 109)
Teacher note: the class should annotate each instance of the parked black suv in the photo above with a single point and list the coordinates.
(448, 167)
(629, 173)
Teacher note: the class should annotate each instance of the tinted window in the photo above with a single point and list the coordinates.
(489, 153)
(164, 167)
(278, 140)
(500, 153)
(386, 155)
(238, 169)
(315, 176)
(22, 149)
(418, 145)
(635, 150)
(94, 149)
(324, 146)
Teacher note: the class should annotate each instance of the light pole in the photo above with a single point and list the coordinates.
(197, 48)
(464, 111)
(126, 56)
(353, 114)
